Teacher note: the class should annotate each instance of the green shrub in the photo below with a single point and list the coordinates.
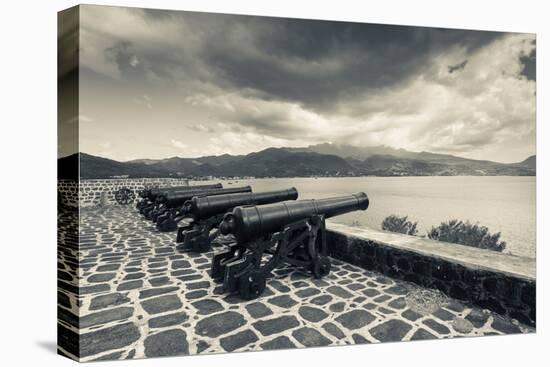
(468, 234)
(395, 223)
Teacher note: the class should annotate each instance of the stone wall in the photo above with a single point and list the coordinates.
(102, 191)
(67, 193)
(499, 282)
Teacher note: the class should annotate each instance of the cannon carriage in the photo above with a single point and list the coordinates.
(168, 205)
(269, 235)
(207, 212)
(149, 195)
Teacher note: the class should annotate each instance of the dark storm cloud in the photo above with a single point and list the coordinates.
(319, 63)
(127, 62)
(457, 67)
(314, 63)
(68, 42)
(529, 65)
(246, 83)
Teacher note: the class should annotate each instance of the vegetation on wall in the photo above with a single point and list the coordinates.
(466, 233)
(452, 231)
(395, 223)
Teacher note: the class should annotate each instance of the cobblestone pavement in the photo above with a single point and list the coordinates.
(140, 298)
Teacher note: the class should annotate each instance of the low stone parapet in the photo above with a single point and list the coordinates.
(85, 193)
(503, 283)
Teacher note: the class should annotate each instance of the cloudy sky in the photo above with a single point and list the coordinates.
(157, 84)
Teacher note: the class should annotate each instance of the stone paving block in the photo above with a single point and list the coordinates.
(195, 294)
(239, 340)
(106, 316)
(108, 267)
(166, 343)
(63, 300)
(310, 337)
(109, 338)
(339, 291)
(133, 284)
(321, 300)
(390, 331)
(280, 342)
(398, 303)
(334, 330)
(422, 334)
(359, 339)
(477, 317)
(276, 325)
(337, 307)
(444, 315)
(312, 314)
(158, 281)
(462, 325)
(134, 276)
(207, 306)
(219, 324)
(308, 292)
(411, 315)
(280, 287)
(258, 310)
(436, 326)
(168, 320)
(156, 291)
(84, 290)
(283, 301)
(160, 304)
(197, 285)
(355, 319)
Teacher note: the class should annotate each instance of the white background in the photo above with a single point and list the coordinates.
(28, 192)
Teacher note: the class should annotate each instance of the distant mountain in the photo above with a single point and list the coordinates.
(218, 160)
(67, 167)
(530, 162)
(98, 167)
(317, 160)
(175, 165)
(178, 165)
(275, 162)
(360, 153)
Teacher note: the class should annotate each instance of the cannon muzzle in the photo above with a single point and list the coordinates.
(250, 222)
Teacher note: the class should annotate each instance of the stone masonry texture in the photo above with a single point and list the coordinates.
(495, 290)
(137, 296)
(86, 193)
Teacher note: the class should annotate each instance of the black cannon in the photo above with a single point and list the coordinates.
(207, 212)
(274, 234)
(149, 195)
(168, 204)
(161, 204)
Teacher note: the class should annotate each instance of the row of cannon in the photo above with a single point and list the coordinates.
(264, 229)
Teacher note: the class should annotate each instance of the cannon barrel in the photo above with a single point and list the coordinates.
(250, 222)
(177, 198)
(207, 206)
(154, 192)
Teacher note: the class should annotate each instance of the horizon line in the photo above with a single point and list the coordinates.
(244, 154)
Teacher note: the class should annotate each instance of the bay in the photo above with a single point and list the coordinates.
(504, 204)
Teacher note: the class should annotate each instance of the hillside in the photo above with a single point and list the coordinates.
(317, 160)
(275, 162)
(98, 167)
(530, 162)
